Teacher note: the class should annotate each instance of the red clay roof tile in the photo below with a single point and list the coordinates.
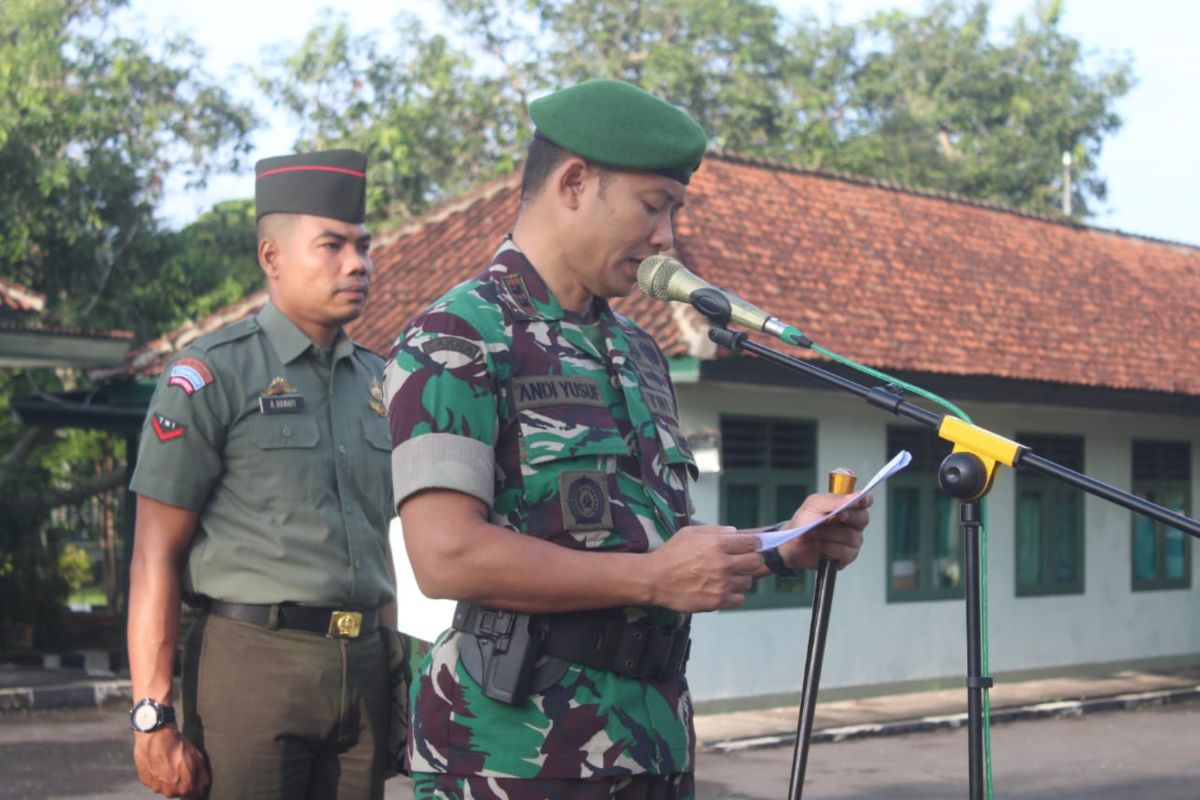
(894, 277)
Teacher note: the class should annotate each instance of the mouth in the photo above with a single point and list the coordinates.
(357, 292)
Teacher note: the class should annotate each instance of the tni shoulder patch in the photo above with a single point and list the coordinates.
(166, 429)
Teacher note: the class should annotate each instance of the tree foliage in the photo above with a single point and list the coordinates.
(91, 122)
(207, 265)
(430, 126)
(933, 99)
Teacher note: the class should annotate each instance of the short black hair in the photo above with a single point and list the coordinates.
(274, 225)
(543, 157)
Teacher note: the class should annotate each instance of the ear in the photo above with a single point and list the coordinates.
(268, 257)
(572, 177)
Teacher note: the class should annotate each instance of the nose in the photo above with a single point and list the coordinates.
(359, 263)
(663, 236)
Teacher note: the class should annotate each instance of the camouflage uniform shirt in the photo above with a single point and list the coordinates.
(568, 431)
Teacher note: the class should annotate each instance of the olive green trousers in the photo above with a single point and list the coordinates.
(284, 714)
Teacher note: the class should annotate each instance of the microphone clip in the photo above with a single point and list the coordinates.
(731, 340)
(713, 304)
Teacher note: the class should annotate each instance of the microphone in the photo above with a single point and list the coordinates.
(664, 278)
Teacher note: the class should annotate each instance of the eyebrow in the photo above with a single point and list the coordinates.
(341, 237)
(671, 198)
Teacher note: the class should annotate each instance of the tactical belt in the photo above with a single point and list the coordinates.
(331, 622)
(636, 649)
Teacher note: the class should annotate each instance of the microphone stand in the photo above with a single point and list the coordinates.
(818, 628)
(966, 474)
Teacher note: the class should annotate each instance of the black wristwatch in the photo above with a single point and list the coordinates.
(774, 560)
(776, 565)
(147, 716)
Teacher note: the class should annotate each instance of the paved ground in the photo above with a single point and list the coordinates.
(1141, 754)
(946, 708)
(1127, 734)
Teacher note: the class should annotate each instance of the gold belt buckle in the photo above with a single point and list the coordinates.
(344, 625)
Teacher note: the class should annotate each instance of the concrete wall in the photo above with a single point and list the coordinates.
(745, 654)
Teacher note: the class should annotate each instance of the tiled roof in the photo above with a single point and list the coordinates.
(898, 278)
(15, 297)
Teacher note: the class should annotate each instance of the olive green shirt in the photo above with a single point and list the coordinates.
(285, 452)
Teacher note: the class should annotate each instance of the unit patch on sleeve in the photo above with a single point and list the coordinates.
(166, 429)
(189, 374)
(450, 351)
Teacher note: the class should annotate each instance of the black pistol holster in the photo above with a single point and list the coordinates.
(500, 649)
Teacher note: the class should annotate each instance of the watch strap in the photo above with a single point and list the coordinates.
(775, 563)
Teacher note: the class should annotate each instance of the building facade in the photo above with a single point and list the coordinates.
(1073, 581)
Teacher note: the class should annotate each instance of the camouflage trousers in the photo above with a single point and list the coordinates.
(439, 786)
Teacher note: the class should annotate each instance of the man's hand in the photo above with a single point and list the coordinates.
(704, 568)
(169, 764)
(840, 538)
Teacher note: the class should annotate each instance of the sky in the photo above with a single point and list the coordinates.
(1151, 164)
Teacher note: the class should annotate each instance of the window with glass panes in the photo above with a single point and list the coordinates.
(1050, 521)
(1162, 556)
(924, 540)
(768, 468)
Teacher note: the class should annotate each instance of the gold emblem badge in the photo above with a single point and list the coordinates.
(377, 399)
(345, 625)
(279, 386)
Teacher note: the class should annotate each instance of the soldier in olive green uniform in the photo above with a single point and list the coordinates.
(263, 500)
(539, 467)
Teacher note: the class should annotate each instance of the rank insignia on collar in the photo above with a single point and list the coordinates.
(166, 429)
(189, 374)
(279, 386)
(376, 403)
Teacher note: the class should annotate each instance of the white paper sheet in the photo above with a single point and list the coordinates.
(416, 614)
(769, 539)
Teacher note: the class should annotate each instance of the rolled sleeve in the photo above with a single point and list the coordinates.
(443, 461)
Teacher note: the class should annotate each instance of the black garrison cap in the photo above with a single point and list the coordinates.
(332, 184)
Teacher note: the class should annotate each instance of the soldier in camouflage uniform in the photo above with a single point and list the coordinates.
(539, 467)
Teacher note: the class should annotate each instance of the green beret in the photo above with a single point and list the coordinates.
(619, 125)
(331, 184)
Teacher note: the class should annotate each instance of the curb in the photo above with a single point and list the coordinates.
(82, 694)
(1061, 708)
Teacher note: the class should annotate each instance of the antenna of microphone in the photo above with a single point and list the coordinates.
(664, 278)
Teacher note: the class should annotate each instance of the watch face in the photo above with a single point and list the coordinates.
(145, 717)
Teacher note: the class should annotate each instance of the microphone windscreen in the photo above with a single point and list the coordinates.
(655, 273)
